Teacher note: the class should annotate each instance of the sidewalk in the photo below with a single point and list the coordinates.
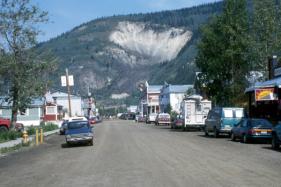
(18, 141)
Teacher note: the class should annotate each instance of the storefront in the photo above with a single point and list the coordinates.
(265, 97)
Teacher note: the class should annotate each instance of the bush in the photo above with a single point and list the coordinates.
(31, 130)
(10, 135)
(49, 127)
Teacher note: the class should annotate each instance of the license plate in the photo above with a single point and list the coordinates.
(263, 132)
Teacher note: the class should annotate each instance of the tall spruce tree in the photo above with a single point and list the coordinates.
(222, 53)
(22, 68)
(265, 33)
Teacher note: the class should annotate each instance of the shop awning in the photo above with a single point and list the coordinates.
(266, 84)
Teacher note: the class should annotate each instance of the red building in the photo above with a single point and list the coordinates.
(52, 112)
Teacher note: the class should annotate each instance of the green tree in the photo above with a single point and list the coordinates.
(25, 71)
(265, 33)
(222, 53)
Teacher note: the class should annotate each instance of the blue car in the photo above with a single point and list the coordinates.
(250, 129)
(79, 132)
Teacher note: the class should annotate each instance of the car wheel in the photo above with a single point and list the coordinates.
(183, 128)
(245, 139)
(3, 129)
(216, 133)
(206, 132)
(274, 142)
(232, 136)
(91, 142)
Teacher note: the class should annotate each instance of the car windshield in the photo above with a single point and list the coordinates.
(77, 124)
(233, 113)
(239, 113)
(77, 119)
(260, 123)
(164, 116)
(228, 113)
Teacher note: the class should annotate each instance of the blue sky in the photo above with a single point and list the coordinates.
(66, 14)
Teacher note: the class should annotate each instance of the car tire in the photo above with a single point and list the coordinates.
(206, 132)
(3, 129)
(216, 133)
(91, 143)
(183, 128)
(245, 139)
(232, 136)
(274, 143)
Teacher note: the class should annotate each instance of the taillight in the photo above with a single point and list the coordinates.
(251, 131)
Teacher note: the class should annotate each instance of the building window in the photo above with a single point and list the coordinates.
(50, 110)
(24, 112)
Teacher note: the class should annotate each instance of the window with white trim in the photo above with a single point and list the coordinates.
(50, 110)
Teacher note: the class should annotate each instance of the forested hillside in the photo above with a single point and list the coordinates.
(113, 55)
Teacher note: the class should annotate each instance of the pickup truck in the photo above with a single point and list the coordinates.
(4, 124)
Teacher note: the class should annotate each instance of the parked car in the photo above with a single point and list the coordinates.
(151, 118)
(128, 116)
(93, 120)
(163, 118)
(140, 118)
(221, 120)
(63, 126)
(79, 132)
(276, 136)
(250, 129)
(177, 123)
(4, 124)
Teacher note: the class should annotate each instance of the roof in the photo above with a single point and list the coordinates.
(36, 102)
(266, 84)
(154, 88)
(179, 88)
(59, 94)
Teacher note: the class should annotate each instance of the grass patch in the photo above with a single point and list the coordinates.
(46, 127)
(49, 127)
(10, 149)
(9, 135)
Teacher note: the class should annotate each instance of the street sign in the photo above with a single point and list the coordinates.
(70, 80)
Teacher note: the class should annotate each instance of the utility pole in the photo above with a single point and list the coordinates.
(68, 91)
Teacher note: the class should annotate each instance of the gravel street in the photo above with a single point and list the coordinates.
(127, 154)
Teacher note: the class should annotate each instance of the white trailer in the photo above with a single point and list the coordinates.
(194, 111)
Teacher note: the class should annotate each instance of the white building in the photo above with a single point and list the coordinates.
(152, 98)
(132, 109)
(61, 98)
(173, 95)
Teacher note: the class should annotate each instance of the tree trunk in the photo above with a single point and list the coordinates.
(14, 108)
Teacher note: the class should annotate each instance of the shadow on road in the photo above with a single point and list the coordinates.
(275, 150)
(65, 145)
(211, 136)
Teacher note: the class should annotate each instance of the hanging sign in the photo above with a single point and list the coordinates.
(70, 80)
(265, 94)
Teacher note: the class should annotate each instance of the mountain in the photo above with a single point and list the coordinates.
(112, 56)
